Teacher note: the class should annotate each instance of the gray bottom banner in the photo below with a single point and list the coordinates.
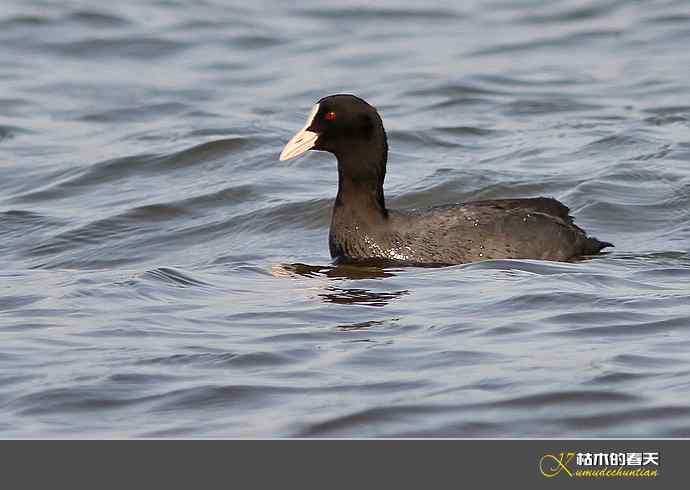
(456, 464)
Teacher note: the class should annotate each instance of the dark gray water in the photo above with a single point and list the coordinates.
(150, 240)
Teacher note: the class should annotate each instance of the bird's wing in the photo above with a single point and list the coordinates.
(546, 205)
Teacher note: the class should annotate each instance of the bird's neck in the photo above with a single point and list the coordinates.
(361, 172)
(359, 200)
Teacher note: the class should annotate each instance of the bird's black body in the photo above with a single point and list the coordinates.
(362, 228)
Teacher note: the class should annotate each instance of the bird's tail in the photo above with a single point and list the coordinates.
(594, 246)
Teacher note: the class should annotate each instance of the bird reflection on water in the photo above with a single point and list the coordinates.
(359, 296)
(366, 325)
(341, 295)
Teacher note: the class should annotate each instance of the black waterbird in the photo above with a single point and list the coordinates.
(364, 229)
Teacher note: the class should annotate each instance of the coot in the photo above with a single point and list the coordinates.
(363, 229)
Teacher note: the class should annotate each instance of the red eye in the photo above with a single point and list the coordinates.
(329, 116)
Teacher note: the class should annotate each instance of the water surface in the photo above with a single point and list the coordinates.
(163, 275)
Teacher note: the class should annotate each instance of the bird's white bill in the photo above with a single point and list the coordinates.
(303, 140)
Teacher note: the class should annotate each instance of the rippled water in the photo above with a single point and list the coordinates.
(162, 274)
